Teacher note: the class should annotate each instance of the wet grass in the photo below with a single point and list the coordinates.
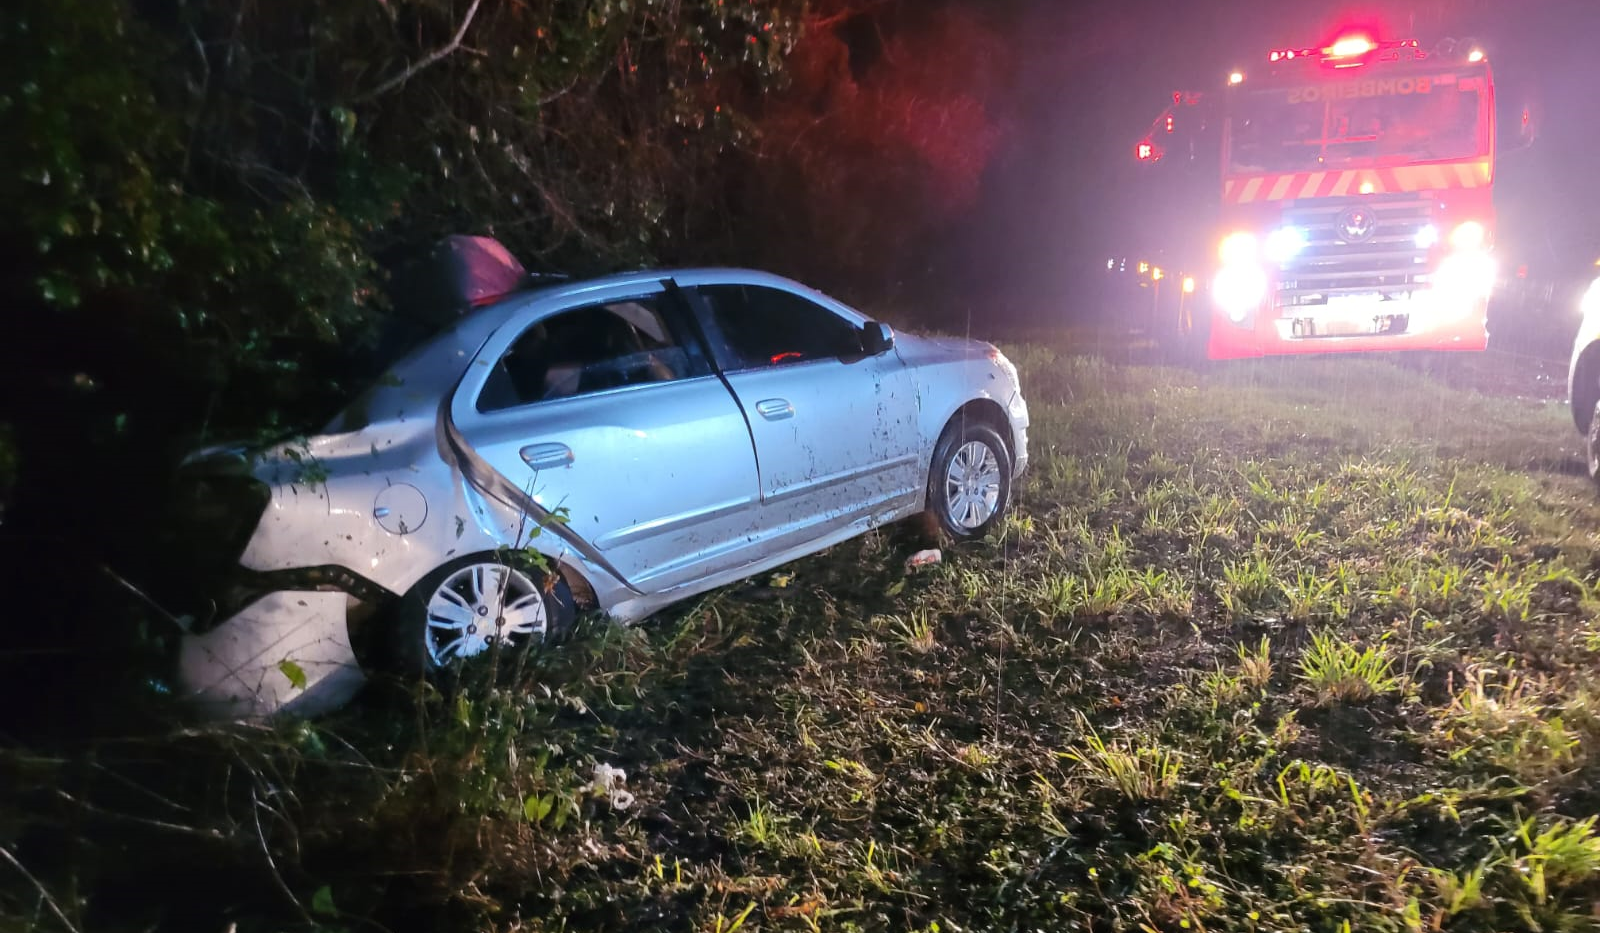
(1306, 645)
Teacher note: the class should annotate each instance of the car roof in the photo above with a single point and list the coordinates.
(685, 275)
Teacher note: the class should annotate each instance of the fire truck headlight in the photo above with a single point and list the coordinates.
(1238, 249)
(1284, 243)
(1239, 290)
(1466, 276)
(1467, 236)
(1428, 237)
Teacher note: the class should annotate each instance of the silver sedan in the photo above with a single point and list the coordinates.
(617, 444)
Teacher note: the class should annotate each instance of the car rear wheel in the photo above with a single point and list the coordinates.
(470, 606)
(969, 486)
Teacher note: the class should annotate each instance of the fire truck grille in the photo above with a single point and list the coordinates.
(1390, 264)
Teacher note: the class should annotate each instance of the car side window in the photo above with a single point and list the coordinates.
(753, 326)
(590, 349)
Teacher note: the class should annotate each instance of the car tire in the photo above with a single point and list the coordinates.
(1591, 452)
(969, 483)
(465, 607)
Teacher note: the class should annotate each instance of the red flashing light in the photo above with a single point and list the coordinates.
(1146, 152)
(1351, 46)
(1170, 122)
(1348, 50)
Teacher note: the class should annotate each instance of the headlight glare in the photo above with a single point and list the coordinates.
(1238, 249)
(1591, 299)
(1466, 276)
(1239, 289)
(1468, 236)
(1284, 243)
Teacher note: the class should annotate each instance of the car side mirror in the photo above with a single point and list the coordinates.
(876, 338)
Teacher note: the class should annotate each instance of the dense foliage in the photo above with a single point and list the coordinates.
(203, 197)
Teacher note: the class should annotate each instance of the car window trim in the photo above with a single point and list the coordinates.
(546, 403)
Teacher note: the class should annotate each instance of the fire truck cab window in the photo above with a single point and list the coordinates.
(751, 326)
(1297, 129)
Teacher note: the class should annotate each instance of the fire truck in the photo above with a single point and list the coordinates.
(1354, 207)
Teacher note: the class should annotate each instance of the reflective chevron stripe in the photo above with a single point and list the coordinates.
(1403, 178)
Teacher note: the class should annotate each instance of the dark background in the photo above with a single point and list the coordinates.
(1091, 78)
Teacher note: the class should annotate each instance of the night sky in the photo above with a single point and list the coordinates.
(1090, 76)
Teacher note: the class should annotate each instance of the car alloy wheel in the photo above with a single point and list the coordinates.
(972, 485)
(478, 605)
(969, 487)
(472, 605)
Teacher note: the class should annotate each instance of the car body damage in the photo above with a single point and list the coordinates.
(650, 436)
(286, 652)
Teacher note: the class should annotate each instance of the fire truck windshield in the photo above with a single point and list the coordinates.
(1365, 120)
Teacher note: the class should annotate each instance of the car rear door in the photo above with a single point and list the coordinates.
(835, 429)
(604, 405)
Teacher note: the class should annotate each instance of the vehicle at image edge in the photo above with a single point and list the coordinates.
(1338, 199)
(653, 435)
(1583, 377)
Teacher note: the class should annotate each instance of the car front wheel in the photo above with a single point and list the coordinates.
(969, 486)
(470, 606)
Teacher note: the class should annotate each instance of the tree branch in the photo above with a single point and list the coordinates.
(429, 59)
(44, 893)
(848, 13)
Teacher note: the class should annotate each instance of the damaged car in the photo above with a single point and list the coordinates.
(614, 444)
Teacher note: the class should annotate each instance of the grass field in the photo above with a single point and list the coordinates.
(1293, 646)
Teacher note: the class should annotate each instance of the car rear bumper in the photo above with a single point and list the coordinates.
(286, 652)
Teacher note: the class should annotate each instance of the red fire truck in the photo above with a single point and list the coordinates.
(1356, 208)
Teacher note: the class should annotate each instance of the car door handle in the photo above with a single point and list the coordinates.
(775, 409)
(547, 456)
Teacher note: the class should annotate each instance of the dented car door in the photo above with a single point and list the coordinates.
(835, 428)
(608, 412)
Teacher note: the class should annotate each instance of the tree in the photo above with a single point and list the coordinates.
(875, 148)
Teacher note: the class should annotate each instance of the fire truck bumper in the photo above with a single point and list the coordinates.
(1356, 324)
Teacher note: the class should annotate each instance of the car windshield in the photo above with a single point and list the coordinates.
(1359, 121)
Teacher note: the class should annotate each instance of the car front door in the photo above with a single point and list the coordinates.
(835, 428)
(609, 410)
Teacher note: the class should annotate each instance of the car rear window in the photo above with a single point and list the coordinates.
(586, 350)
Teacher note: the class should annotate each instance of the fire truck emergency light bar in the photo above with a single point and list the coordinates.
(1353, 46)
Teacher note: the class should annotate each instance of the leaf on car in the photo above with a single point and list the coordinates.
(322, 902)
(295, 673)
